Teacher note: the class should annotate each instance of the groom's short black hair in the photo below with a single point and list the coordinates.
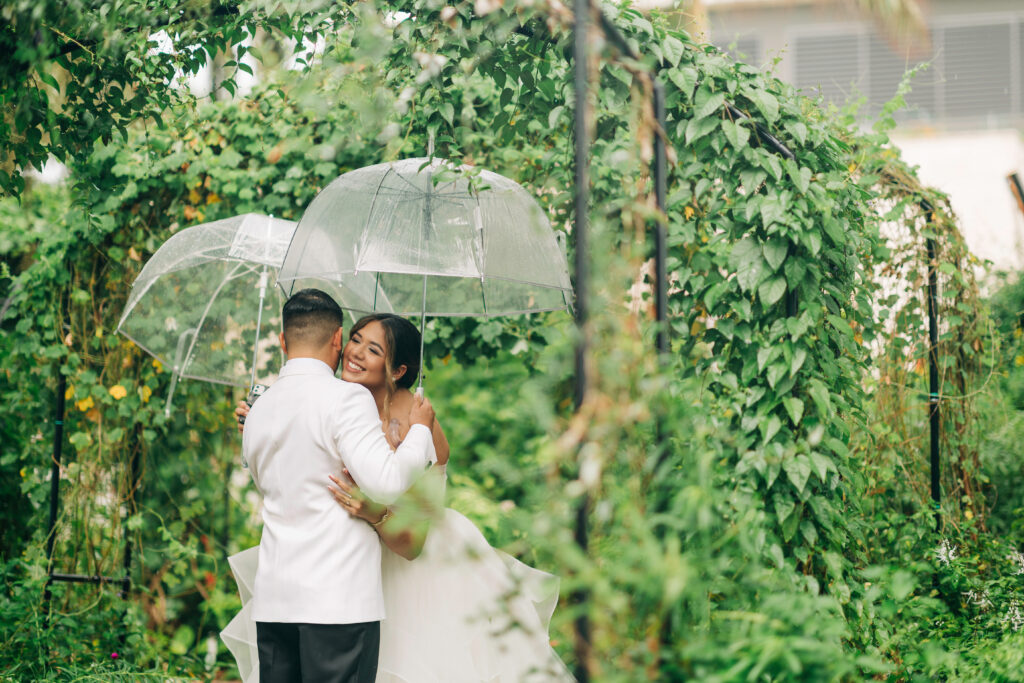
(310, 317)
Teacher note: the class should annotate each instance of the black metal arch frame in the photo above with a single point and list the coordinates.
(585, 11)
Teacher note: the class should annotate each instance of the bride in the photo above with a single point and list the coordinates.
(458, 610)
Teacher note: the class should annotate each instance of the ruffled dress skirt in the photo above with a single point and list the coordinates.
(462, 612)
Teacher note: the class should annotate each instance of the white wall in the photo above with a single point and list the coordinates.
(971, 167)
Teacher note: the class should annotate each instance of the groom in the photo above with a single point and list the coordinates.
(318, 600)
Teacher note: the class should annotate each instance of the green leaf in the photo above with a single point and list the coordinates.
(819, 394)
(773, 209)
(783, 507)
(746, 261)
(775, 251)
(795, 408)
(772, 290)
(736, 134)
(698, 128)
(903, 584)
(776, 371)
(554, 115)
(798, 471)
(684, 78)
(769, 428)
(822, 465)
(448, 112)
(707, 103)
(673, 49)
(799, 356)
(764, 101)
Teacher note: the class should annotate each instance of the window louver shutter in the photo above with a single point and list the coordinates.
(829, 65)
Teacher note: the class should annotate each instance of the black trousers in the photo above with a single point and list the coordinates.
(318, 653)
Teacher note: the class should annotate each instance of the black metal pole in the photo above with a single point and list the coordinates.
(661, 229)
(133, 483)
(58, 446)
(582, 10)
(660, 254)
(933, 370)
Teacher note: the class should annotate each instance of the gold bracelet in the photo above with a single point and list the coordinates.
(385, 517)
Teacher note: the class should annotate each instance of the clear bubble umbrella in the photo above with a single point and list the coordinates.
(205, 306)
(437, 240)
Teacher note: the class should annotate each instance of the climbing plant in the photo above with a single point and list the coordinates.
(729, 488)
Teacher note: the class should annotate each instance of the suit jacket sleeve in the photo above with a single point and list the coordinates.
(247, 442)
(381, 473)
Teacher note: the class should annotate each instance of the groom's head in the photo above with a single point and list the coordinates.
(312, 323)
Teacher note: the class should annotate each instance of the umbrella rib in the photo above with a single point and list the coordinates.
(369, 214)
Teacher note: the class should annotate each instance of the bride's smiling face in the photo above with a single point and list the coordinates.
(363, 359)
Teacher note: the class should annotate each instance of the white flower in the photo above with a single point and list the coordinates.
(170, 324)
(430, 63)
(1013, 616)
(978, 598)
(945, 553)
(1016, 557)
(485, 7)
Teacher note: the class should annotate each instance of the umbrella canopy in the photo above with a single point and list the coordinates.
(439, 241)
(202, 305)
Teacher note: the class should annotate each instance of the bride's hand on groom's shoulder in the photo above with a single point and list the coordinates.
(422, 412)
(353, 501)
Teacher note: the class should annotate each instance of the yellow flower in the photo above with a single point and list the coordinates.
(70, 392)
(688, 211)
(84, 404)
(118, 392)
(22, 472)
(1019, 360)
(158, 365)
(146, 393)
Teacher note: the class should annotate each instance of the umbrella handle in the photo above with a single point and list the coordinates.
(191, 332)
(170, 394)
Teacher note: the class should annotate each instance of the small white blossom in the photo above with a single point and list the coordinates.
(484, 7)
(978, 598)
(170, 324)
(1013, 616)
(1017, 558)
(431, 65)
(945, 553)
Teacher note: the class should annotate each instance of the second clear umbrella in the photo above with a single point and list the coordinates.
(205, 300)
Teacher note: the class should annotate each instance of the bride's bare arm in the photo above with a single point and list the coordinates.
(404, 533)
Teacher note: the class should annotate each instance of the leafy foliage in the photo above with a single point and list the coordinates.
(756, 511)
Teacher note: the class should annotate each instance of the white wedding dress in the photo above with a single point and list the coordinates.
(462, 612)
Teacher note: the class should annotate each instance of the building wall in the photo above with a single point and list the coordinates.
(966, 110)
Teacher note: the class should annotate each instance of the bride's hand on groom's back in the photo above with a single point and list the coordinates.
(353, 501)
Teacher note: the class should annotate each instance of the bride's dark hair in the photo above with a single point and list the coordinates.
(403, 340)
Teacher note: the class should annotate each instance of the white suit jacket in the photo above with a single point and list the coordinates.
(317, 565)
